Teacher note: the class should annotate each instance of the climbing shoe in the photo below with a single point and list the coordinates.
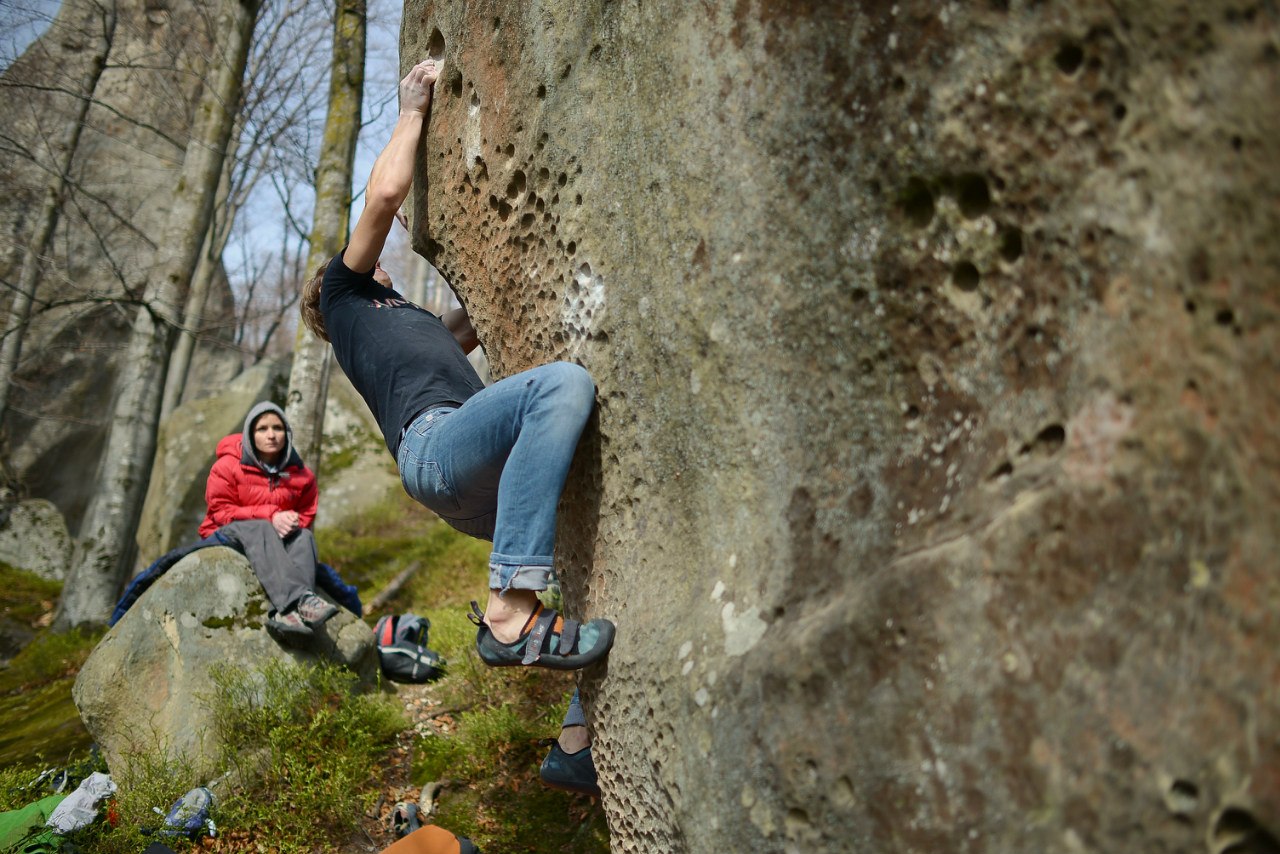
(572, 772)
(547, 640)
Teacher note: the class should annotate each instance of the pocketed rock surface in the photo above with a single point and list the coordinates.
(933, 482)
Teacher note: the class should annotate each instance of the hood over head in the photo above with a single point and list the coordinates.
(249, 454)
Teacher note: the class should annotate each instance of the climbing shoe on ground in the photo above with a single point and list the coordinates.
(313, 610)
(547, 640)
(405, 819)
(572, 772)
(289, 627)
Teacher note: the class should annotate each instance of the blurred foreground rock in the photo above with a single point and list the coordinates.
(143, 688)
(936, 480)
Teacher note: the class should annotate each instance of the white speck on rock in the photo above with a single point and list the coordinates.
(717, 591)
(685, 649)
(741, 633)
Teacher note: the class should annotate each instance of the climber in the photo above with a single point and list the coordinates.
(489, 461)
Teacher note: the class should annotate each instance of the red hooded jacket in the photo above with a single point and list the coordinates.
(239, 488)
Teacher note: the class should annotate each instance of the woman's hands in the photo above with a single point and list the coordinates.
(285, 522)
(415, 88)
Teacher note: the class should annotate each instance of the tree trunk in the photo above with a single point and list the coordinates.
(214, 243)
(309, 377)
(104, 551)
(47, 221)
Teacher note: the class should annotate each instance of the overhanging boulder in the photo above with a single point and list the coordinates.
(934, 483)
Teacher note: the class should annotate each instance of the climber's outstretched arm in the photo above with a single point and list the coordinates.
(392, 175)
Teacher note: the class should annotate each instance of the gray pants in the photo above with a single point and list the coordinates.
(286, 567)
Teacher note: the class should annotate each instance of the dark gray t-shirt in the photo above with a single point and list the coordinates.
(401, 358)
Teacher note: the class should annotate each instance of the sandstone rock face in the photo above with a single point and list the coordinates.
(34, 537)
(934, 480)
(142, 687)
(126, 165)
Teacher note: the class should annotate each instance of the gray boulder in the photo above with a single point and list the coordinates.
(144, 688)
(34, 537)
(356, 472)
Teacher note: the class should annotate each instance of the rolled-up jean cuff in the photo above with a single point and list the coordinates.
(524, 576)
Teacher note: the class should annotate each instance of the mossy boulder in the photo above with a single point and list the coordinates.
(34, 537)
(146, 686)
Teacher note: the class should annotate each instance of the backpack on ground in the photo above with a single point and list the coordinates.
(402, 649)
(189, 815)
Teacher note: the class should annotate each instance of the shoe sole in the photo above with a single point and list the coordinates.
(564, 787)
(550, 661)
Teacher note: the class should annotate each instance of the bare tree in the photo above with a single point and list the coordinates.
(274, 140)
(63, 153)
(104, 551)
(309, 377)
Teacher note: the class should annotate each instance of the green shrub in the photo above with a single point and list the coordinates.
(303, 747)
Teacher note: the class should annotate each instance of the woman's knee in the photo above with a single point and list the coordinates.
(574, 384)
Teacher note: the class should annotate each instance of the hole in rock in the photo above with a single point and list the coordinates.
(1184, 794)
(516, 186)
(917, 202)
(435, 45)
(1069, 58)
(972, 195)
(1225, 317)
(1051, 438)
(1011, 244)
(542, 92)
(966, 276)
(1003, 470)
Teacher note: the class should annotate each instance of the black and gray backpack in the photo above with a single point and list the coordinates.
(402, 649)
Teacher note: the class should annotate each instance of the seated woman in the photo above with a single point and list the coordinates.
(262, 499)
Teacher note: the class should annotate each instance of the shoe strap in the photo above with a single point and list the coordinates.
(476, 616)
(568, 636)
(541, 626)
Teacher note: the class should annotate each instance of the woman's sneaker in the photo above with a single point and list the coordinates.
(313, 610)
(289, 627)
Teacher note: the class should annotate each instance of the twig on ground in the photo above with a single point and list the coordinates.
(388, 593)
(427, 800)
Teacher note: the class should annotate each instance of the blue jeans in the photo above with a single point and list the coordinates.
(494, 468)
